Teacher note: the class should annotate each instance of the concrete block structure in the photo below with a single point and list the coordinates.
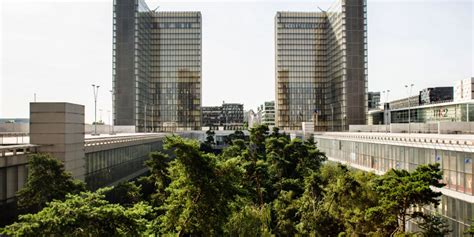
(59, 129)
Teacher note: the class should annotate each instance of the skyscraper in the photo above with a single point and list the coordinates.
(321, 67)
(156, 68)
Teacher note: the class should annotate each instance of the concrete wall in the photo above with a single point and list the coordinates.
(456, 127)
(59, 128)
(414, 128)
(440, 127)
(107, 129)
(88, 128)
(15, 127)
(369, 128)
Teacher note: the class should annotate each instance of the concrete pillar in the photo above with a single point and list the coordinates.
(59, 128)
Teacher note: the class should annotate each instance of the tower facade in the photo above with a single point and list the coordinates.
(321, 67)
(156, 68)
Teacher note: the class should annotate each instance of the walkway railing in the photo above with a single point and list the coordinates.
(120, 139)
(13, 150)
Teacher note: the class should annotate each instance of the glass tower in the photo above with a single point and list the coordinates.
(321, 69)
(156, 68)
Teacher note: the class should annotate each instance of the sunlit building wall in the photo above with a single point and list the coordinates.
(321, 67)
(156, 68)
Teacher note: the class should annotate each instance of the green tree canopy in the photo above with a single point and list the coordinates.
(199, 192)
(400, 191)
(47, 181)
(85, 214)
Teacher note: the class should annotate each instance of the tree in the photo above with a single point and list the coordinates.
(201, 188)
(208, 144)
(233, 136)
(401, 191)
(85, 214)
(258, 136)
(47, 181)
(249, 221)
(314, 219)
(158, 163)
(433, 225)
(125, 193)
(470, 230)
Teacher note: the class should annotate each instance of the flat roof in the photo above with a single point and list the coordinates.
(435, 105)
(455, 142)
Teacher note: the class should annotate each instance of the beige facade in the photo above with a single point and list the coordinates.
(59, 130)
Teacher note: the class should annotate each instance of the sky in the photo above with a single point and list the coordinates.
(57, 49)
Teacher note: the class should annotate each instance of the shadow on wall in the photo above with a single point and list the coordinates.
(88, 128)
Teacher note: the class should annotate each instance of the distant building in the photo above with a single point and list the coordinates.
(448, 111)
(251, 118)
(436, 95)
(403, 103)
(464, 90)
(267, 112)
(212, 117)
(156, 68)
(321, 67)
(373, 100)
(14, 120)
(229, 116)
(233, 116)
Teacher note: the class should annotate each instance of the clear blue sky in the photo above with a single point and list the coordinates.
(57, 49)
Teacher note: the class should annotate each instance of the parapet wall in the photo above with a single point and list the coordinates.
(438, 128)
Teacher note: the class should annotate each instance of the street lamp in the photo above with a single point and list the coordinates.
(385, 93)
(95, 88)
(409, 106)
(112, 123)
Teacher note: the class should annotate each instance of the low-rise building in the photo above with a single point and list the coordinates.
(373, 100)
(229, 116)
(212, 117)
(267, 112)
(464, 90)
(380, 152)
(233, 116)
(252, 118)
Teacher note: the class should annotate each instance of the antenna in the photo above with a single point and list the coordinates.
(156, 8)
(321, 9)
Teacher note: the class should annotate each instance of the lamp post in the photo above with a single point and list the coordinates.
(108, 114)
(112, 123)
(95, 88)
(409, 106)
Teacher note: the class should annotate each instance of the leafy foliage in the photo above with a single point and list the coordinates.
(199, 191)
(433, 226)
(85, 214)
(47, 181)
(400, 192)
(125, 194)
